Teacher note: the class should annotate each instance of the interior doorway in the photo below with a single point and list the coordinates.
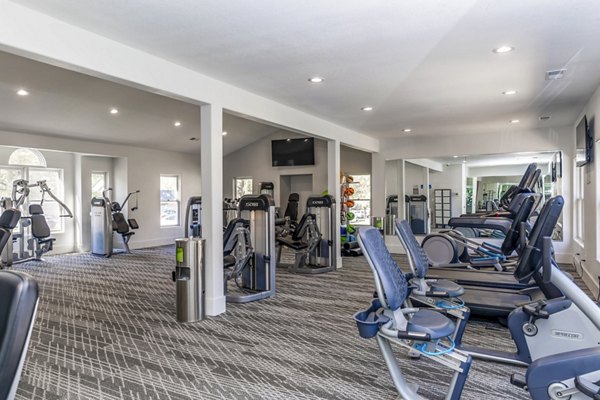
(301, 184)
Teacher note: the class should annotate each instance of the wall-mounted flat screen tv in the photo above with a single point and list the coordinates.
(293, 152)
(581, 142)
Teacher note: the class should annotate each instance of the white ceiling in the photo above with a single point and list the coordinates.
(493, 160)
(69, 104)
(426, 65)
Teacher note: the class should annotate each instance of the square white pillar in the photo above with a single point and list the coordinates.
(211, 136)
(377, 185)
(333, 186)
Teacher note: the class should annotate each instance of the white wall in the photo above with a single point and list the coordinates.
(133, 168)
(255, 161)
(453, 178)
(589, 250)
(415, 175)
(355, 162)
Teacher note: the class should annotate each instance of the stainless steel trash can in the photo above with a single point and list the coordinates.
(389, 224)
(189, 279)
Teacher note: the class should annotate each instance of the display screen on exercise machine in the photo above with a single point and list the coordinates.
(293, 152)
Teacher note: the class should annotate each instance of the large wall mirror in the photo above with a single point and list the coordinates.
(430, 191)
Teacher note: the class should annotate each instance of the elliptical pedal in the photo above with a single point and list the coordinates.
(519, 380)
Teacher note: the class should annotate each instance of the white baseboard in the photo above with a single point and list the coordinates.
(215, 306)
(141, 244)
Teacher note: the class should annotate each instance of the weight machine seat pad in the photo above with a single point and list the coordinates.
(18, 300)
(562, 366)
(228, 261)
(414, 249)
(302, 226)
(292, 244)
(431, 322)
(452, 288)
(120, 222)
(10, 218)
(127, 234)
(39, 226)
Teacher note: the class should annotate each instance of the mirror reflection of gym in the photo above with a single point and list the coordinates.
(457, 185)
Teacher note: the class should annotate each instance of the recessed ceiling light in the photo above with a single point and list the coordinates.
(193, 139)
(177, 123)
(316, 79)
(22, 92)
(288, 140)
(114, 111)
(464, 161)
(454, 156)
(367, 108)
(503, 49)
(406, 130)
(224, 133)
(545, 118)
(514, 121)
(509, 92)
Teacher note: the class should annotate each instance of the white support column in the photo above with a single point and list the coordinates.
(211, 136)
(333, 186)
(77, 203)
(377, 185)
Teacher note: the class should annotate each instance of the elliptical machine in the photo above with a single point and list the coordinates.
(107, 217)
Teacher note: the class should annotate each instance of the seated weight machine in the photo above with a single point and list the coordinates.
(32, 229)
(107, 217)
(248, 246)
(312, 240)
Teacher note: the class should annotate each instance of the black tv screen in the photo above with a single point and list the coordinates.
(581, 144)
(293, 152)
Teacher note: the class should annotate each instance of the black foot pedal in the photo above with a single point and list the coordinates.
(519, 380)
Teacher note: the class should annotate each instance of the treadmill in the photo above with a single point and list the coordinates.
(500, 220)
(499, 302)
(478, 274)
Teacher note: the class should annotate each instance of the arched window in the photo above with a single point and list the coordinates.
(25, 156)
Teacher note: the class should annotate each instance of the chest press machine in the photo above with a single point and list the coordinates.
(313, 240)
(38, 236)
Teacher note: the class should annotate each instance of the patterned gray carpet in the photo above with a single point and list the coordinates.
(106, 330)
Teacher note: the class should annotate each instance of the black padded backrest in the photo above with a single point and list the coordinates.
(18, 301)
(393, 281)
(300, 230)
(228, 235)
(35, 209)
(39, 225)
(120, 223)
(291, 210)
(10, 218)
(419, 258)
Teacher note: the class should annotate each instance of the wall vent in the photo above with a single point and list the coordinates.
(555, 74)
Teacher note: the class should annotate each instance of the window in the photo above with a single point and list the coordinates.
(362, 199)
(242, 186)
(52, 210)
(169, 200)
(578, 210)
(27, 157)
(99, 183)
(7, 176)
